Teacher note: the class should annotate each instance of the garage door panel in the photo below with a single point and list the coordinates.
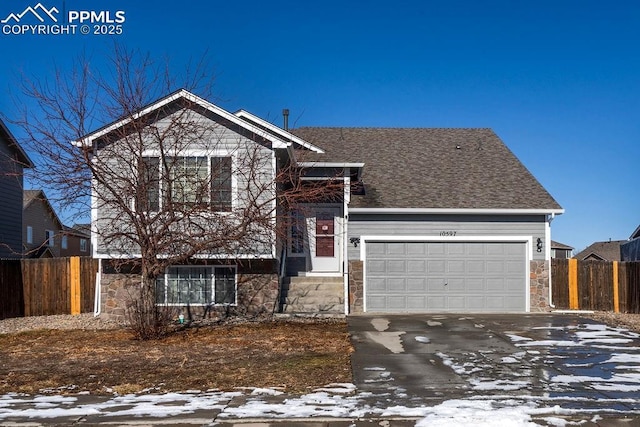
(455, 266)
(436, 303)
(417, 302)
(396, 249)
(395, 284)
(417, 267)
(495, 267)
(396, 266)
(434, 249)
(376, 285)
(416, 248)
(436, 266)
(376, 266)
(475, 267)
(417, 285)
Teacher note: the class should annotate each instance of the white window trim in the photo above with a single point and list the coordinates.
(213, 284)
(83, 245)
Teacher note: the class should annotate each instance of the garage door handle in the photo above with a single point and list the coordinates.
(446, 284)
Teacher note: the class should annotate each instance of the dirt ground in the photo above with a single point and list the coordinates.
(295, 356)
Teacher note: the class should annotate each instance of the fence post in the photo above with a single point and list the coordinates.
(573, 284)
(616, 292)
(74, 264)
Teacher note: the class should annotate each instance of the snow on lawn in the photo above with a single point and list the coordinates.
(503, 395)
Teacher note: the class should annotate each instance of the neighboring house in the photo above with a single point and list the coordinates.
(429, 220)
(76, 241)
(630, 251)
(12, 162)
(45, 236)
(601, 251)
(560, 250)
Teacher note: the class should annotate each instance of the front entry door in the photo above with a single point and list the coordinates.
(324, 240)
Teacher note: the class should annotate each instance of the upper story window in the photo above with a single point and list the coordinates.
(83, 245)
(49, 238)
(29, 234)
(64, 242)
(188, 181)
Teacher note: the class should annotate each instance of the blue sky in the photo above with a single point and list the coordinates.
(558, 81)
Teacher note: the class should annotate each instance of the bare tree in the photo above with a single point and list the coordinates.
(158, 203)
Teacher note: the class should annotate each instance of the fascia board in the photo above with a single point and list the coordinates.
(467, 211)
(279, 131)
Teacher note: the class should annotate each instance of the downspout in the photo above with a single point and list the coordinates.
(97, 298)
(345, 256)
(548, 255)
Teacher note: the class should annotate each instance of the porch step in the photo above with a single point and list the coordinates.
(312, 295)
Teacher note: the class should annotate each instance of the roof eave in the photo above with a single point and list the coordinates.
(465, 211)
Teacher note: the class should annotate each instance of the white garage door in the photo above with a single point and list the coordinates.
(445, 276)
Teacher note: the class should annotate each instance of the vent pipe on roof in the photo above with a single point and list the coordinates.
(285, 115)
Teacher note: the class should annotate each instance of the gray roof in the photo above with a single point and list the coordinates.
(21, 155)
(558, 245)
(606, 251)
(430, 168)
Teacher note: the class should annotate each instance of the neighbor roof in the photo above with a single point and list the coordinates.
(558, 245)
(430, 168)
(13, 144)
(606, 251)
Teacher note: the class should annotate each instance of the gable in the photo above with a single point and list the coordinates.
(422, 168)
(173, 105)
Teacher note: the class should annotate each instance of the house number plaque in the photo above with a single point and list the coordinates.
(448, 233)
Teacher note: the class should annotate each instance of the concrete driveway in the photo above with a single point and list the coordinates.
(560, 360)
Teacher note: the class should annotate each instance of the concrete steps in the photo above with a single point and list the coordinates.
(312, 295)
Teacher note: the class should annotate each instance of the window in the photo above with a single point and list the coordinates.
(221, 183)
(150, 185)
(29, 234)
(64, 242)
(49, 238)
(83, 245)
(197, 285)
(190, 181)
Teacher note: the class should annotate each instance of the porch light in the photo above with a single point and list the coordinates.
(539, 244)
(355, 241)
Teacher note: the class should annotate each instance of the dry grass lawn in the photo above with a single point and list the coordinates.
(295, 356)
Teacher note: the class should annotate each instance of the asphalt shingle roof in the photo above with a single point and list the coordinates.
(607, 251)
(430, 168)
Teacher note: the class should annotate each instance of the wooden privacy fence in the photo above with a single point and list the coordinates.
(38, 287)
(596, 285)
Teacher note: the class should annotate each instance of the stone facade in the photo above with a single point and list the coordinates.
(257, 294)
(356, 290)
(539, 286)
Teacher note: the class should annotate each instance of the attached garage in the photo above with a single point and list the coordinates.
(446, 276)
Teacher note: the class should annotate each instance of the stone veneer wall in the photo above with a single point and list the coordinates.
(356, 290)
(539, 286)
(257, 294)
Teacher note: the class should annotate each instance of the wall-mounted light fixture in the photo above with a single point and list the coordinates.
(355, 241)
(539, 244)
